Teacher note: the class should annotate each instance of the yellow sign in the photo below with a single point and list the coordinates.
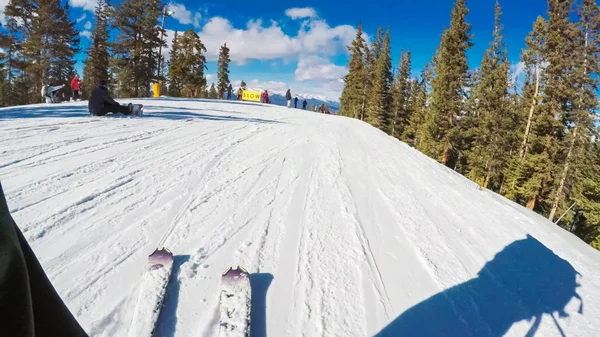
(156, 90)
(251, 96)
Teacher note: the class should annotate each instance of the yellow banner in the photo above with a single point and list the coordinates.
(251, 96)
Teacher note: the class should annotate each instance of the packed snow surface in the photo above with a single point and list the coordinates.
(345, 230)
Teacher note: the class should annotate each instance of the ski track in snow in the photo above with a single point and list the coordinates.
(347, 227)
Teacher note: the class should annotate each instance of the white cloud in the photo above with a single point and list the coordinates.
(275, 86)
(518, 69)
(318, 68)
(318, 37)
(312, 47)
(300, 13)
(88, 5)
(88, 25)
(261, 42)
(86, 33)
(209, 77)
(184, 16)
(82, 17)
(254, 42)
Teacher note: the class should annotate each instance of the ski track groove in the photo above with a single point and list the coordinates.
(267, 227)
(301, 264)
(214, 162)
(366, 247)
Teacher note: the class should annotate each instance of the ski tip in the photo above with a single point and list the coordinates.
(235, 272)
(159, 258)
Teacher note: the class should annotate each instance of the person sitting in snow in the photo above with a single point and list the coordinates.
(101, 103)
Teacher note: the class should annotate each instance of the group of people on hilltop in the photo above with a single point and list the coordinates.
(288, 97)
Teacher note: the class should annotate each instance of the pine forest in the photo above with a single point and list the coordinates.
(533, 140)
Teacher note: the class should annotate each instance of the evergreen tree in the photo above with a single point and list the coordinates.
(449, 84)
(212, 93)
(14, 92)
(177, 70)
(380, 98)
(47, 43)
(494, 136)
(97, 62)
(533, 59)
(545, 132)
(5, 69)
(352, 99)
(401, 91)
(193, 63)
(420, 97)
(223, 70)
(372, 54)
(577, 94)
(585, 218)
(136, 45)
(243, 84)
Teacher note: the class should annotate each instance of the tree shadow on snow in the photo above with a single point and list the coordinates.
(44, 111)
(183, 115)
(524, 281)
(167, 318)
(67, 110)
(260, 283)
(204, 100)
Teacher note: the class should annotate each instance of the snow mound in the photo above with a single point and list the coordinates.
(345, 230)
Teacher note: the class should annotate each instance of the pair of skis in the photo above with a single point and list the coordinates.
(234, 301)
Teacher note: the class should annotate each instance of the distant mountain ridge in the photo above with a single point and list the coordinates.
(278, 98)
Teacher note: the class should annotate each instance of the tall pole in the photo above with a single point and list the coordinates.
(162, 32)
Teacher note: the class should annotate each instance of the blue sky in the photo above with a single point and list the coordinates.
(301, 44)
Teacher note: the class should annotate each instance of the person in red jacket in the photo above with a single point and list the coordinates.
(265, 97)
(75, 84)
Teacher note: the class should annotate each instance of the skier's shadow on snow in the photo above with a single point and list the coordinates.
(167, 319)
(524, 281)
(260, 283)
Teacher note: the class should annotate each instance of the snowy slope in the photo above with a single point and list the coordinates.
(346, 231)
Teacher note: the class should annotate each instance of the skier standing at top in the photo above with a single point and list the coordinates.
(75, 85)
(240, 93)
(295, 102)
(304, 105)
(229, 89)
(288, 96)
(265, 97)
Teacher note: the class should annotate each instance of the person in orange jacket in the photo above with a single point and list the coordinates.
(75, 85)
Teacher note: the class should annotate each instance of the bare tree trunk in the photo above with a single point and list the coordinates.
(525, 145)
(445, 153)
(531, 203)
(563, 177)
